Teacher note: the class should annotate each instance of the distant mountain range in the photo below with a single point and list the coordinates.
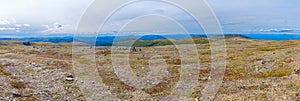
(107, 40)
(101, 40)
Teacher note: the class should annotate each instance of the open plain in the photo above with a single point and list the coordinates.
(255, 70)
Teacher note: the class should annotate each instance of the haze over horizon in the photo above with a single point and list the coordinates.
(62, 16)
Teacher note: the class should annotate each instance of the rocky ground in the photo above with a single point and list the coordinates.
(255, 70)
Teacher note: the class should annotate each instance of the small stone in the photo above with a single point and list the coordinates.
(203, 79)
(70, 78)
(293, 75)
(15, 95)
(285, 77)
(209, 78)
(297, 71)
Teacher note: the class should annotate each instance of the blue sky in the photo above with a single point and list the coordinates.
(235, 16)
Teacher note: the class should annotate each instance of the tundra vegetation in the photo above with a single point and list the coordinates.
(255, 70)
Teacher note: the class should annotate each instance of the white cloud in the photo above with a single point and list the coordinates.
(4, 22)
(17, 30)
(2, 29)
(18, 25)
(58, 26)
(29, 15)
(281, 30)
(26, 25)
(245, 14)
(55, 28)
(8, 29)
(47, 26)
(14, 20)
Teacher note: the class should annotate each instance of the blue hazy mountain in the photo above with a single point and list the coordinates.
(106, 40)
(277, 37)
(101, 40)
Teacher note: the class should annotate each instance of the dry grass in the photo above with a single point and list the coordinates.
(103, 53)
(3, 72)
(59, 64)
(277, 72)
(17, 84)
(33, 52)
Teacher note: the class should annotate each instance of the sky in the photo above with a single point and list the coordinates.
(235, 16)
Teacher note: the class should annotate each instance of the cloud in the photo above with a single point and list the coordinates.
(4, 22)
(234, 15)
(11, 26)
(155, 11)
(9, 29)
(26, 25)
(14, 20)
(30, 15)
(18, 25)
(281, 30)
(58, 26)
(55, 28)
